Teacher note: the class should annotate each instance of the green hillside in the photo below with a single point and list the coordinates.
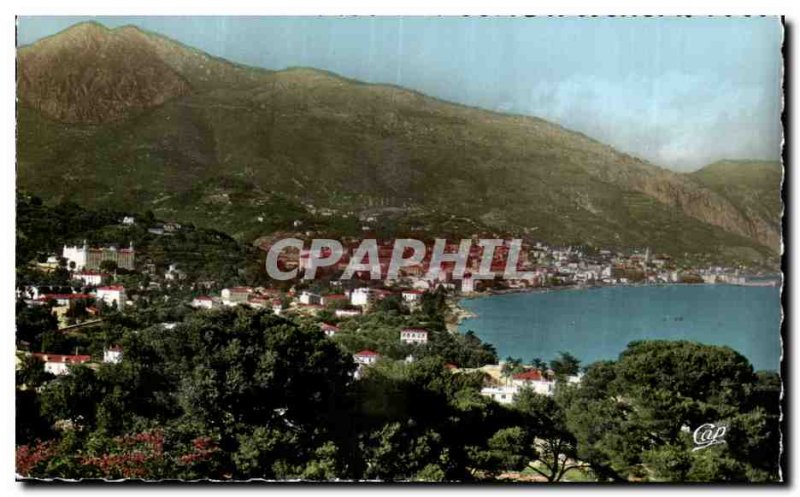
(243, 145)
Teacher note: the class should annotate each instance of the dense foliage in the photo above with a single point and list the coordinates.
(634, 418)
(243, 393)
(240, 393)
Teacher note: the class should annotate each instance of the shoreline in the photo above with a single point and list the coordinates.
(458, 314)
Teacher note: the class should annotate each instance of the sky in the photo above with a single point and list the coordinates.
(679, 92)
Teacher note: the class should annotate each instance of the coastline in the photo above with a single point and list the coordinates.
(457, 314)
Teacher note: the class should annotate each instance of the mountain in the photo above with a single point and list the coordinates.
(90, 74)
(137, 121)
(754, 187)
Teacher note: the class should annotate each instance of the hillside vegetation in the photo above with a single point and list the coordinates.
(137, 121)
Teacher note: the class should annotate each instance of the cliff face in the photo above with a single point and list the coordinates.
(754, 188)
(173, 116)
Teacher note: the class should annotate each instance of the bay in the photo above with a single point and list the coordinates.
(595, 324)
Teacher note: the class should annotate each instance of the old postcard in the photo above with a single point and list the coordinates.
(480, 250)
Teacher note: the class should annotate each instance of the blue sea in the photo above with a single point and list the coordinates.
(596, 324)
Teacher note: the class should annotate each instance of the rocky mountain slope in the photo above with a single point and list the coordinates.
(754, 188)
(131, 119)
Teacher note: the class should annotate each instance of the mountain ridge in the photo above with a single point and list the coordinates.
(330, 140)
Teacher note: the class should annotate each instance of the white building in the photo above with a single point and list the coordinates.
(467, 284)
(236, 295)
(309, 298)
(347, 313)
(173, 273)
(412, 297)
(363, 297)
(90, 277)
(366, 357)
(76, 254)
(420, 284)
(58, 364)
(534, 380)
(203, 302)
(113, 354)
(709, 279)
(414, 336)
(91, 258)
(502, 394)
(113, 295)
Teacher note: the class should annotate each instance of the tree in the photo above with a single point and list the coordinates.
(73, 398)
(33, 322)
(392, 303)
(539, 363)
(565, 364)
(30, 372)
(108, 266)
(511, 366)
(633, 417)
(554, 451)
(511, 448)
(434, 303)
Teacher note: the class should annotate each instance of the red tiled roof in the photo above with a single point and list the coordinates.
(90, 272)
(112, 288)
(203, 297)
(532, 375)
(68, 359)
(60, 296)
(367, 353)
(414, 330)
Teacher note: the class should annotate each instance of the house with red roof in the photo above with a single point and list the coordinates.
(63, 299)
(112, 354)
(534, 379)
(203, 302)
(329, 329)
(112, 295)
(366, 357)
(58, 364)
(236, 295)
(334, 299)
(260, 302)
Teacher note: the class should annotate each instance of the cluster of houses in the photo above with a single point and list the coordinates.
(348, 303)
(61, 299)
(538, 264)
(542, 263)
(58, 364)
(538, 381)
